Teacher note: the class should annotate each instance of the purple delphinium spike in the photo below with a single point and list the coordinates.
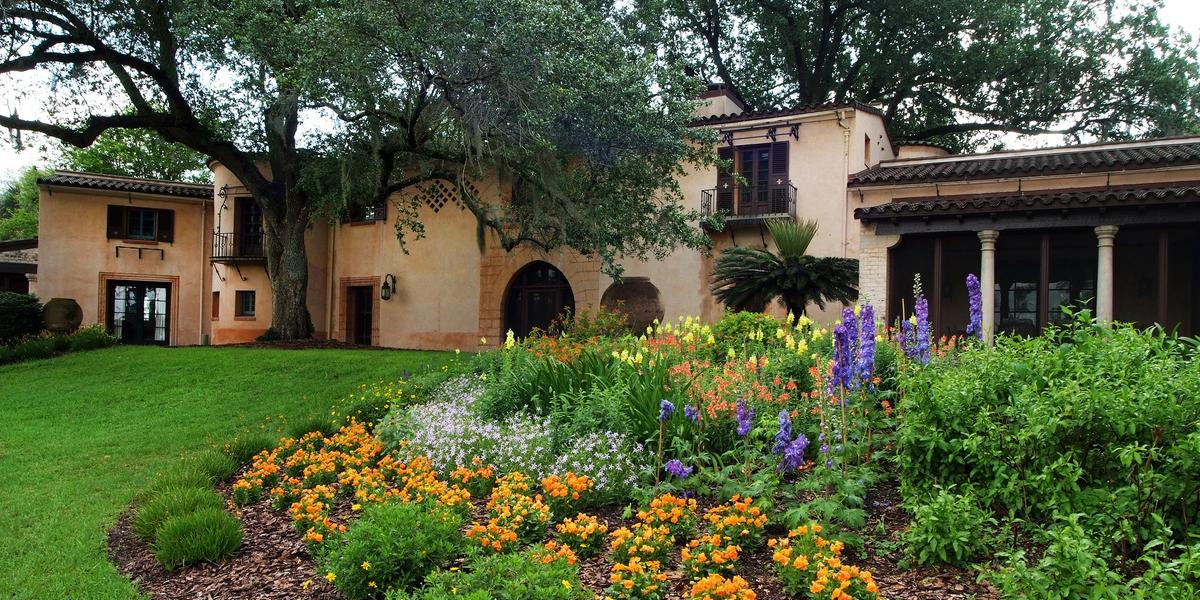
(665, 409)
(691, 412)
(975, 302)
(784, 437)
(908, 344)
(843, 358)
(866, 344)
(745, 417)
(793, 454)
(922, 312)
(677, 469)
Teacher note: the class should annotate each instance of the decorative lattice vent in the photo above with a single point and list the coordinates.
(440, 193)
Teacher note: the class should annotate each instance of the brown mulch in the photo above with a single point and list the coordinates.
(273, 563)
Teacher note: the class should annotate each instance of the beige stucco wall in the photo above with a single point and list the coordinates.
(831, 145)
(76, 258)
(228, 279)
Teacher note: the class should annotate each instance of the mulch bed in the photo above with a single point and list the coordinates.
(274, 565)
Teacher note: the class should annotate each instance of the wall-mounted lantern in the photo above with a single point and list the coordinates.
(389, 286)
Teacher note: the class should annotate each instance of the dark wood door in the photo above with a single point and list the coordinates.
(248, 227)
(360, 300)
(755, 169)
(139, 312)
(536, 297)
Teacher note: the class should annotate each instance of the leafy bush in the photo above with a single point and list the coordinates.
(92, 337)
(20, 316)
(33, 348)
(734, 328)
(172, 502)
(594, 322)
(517, 576)
(1073, 566)
(1081, 420)
(392, 546)
(218, 466)
(208, 534)
(949, 528)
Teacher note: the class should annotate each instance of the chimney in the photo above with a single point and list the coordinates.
(719, 100)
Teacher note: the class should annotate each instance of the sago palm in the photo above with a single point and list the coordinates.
(749, 278)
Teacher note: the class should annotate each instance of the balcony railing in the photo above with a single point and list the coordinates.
(238, 247)
(751, 203)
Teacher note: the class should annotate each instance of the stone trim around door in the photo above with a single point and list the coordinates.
(171, 280)
(344, 285)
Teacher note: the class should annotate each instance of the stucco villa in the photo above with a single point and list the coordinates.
(1109, 224)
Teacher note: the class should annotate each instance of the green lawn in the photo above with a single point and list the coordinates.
(82, 434)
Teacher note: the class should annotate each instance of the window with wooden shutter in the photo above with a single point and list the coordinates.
(166, 226)
(116, 222)
(725, 184)
(779, 177)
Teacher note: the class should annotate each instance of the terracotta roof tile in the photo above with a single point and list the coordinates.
(1067, 160)
(915, 208)
(784, 112)
(113, 183)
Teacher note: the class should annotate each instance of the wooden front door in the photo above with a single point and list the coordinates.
(538, 294)
(139, 311)
(360, 317)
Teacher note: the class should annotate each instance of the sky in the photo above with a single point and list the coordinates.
(1184, 14)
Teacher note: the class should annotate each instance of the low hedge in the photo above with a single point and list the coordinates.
(47, 345)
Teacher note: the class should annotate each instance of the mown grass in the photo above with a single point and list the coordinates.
(81, 434)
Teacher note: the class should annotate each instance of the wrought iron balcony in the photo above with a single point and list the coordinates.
(238, 247)
(746, 204)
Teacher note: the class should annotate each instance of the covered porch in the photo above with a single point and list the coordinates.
(1127, 255)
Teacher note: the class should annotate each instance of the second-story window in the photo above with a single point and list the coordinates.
(141, 223)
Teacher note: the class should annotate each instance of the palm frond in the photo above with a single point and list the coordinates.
(792, 238)
(742, 278)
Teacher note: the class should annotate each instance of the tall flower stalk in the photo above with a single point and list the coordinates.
(975, 303)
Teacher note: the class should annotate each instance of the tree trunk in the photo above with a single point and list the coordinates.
(287, 266)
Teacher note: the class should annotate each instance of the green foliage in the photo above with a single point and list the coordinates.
(206, 535)
(243, 448)
(217, 465)
(310, 424)
(138, 153)
(19, 206)
(92, 337)
(1108, 70)
(172, 502)
(515, 576)
(593, 323)
(1072, 566)
(393, 546)
(749, 278)
(948, 528)
(179, 476)
(20, 316)
(1083, 420)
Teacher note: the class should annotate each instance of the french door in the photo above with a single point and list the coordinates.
(139, 312)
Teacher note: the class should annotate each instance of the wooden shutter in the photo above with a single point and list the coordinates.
(725, 182)
(116, 222)
(166, 225)
(779, 177)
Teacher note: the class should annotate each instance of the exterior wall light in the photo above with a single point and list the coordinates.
(389, 285)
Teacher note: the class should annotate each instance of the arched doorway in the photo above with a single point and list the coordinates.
(536, 295)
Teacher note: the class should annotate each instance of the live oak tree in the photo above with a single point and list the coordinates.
(422, 90)
(955, 71)
(137, 153)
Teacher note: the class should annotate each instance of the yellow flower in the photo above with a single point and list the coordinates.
(330, 576)
(482, 341)
(566, 584)
(366, 566)
(307, 582)
(510, 340)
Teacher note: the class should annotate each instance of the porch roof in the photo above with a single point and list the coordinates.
(113, 183)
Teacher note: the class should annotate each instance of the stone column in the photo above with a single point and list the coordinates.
(987, 281)
(1105, 235)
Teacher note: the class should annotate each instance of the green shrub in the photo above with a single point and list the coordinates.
(735, 328)
(520, 576)
(208, 534)
(172, 502)
(215, 464)
(1073, 566)
(91, 337)
(20, 316)
(392, 546)
(948, 528)
(1085, 419)
(33, 348)
(245, 447)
